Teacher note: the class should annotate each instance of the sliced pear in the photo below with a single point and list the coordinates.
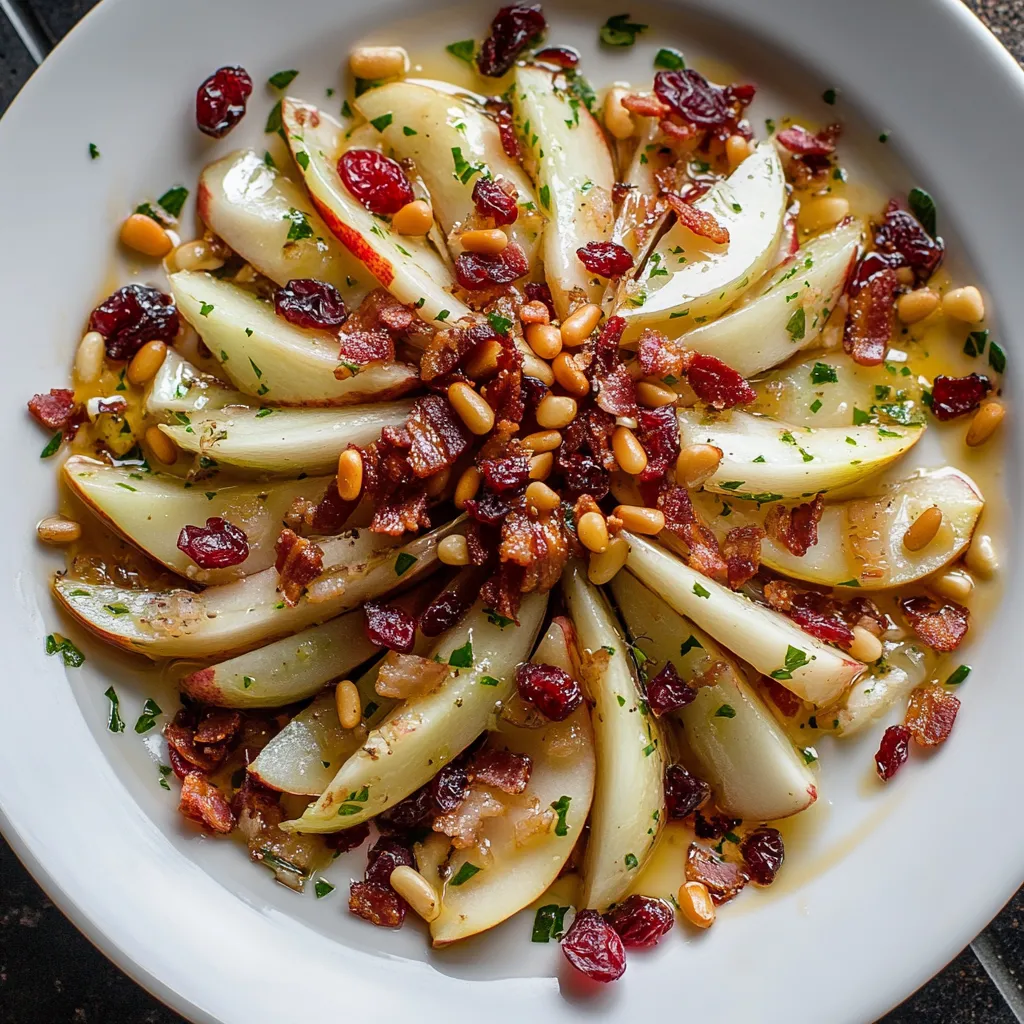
(429, 127)
(889, 682)
(234, 617)
(766, 460)
(788, 311)
(149, 509)
(179, 387)
(686, 280)
(629, 800)
(574, 177)
(740, 748)
(407, 267)
(561, 780)
(409, 747)
(773, 644)
(254, 208)
(638, 221)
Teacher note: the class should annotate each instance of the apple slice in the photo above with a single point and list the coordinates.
(408, 267)
(740, 748)
(773, 644)
(629, 800)
(269, 358)
(561, 783)
(569, 158)
(765, 460)
(149, 509)
(686, 279)
(787, 312)
(234, 617)
(451, 141)
(270, 222)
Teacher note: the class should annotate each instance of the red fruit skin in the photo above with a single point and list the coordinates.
(491, 200)
(551, 690)
(512, 28)
(375, 180)
(763, 853)
(220, 101)
(356, 244)
(594, 948)
(606, 259)
(692, 97)
(132, 316)
(641, 921)
(389, 626)
(218, 545)
(313, 305)
(893, 751)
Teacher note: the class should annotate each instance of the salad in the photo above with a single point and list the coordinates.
(515, 472)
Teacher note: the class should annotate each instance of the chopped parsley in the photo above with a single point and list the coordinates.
(700, 591)
(796, 327)
(302, 159)
(322, 888)
(823, 373)
(406, 130)
(94, 152)
(996, 358)
(300, 227)
(501, 324)
(69, 653)
(545, 197)
(404, 562)
(671, 60)
(689, 644)
(489, 681)
(809, 754)
(173, 200)
(549, 923)
(829, 96)
(922, 206)
(795, 658)
(464, 874)
(353, 802)
(282, 79)
(561, 808)
(618, 30)
(726, 711)
(462, 657)
(274, 122)
(958, 675)
(975, 343)
(382, 122)
(147, 719)
(53, 445)
(206, 309)
(114, 721)
(497, 619)
(631, 861)
(463, 49)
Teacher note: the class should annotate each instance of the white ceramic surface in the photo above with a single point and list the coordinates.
(892, 884)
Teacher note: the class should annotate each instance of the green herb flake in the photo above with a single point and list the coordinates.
(404, 562)
(69, 653)
(816, 405)
(464, 874)
(922, 206)
(884, 137)
(671, 60)
(282, 79)
(549, 923)
(796, 326)
(173, 200)
(631, 861)
(809, 754)
(147, 719)
(561, 808)
(302, 159)
(497, 619)
(958, 675)
(114, 721)
(94, 153)
(545, 197)
(618, 30)
(322, 888)
(829, 96)
(700, 591)
(53, 445)
(462, 657)
(489, 681)
(274, 122)
(406, 130)
(300, 226)
(689, 644)
(382, 122)
(824, 373)
(860, 417)
(996, 358)
(443, 315)
(501, 324)
(463, 49)
(247, 681)
(795, 658)
(206, 309)
(726, 711)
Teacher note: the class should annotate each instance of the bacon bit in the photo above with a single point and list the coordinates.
(901, 236)
(683, 520)
(667, 691)
(437, 436)
(871, 318)
(719, 385)
(54, 411)
(779, 594)
(796, 529)
(218, 725)
(348, 838)
(504, 394)
(675, 131)
(180, 737)
(450, 346)
(537, 544)
(502, 769)
(660, 357)
(537, 291)
(785, 700)
(203, 802)
(502, 591)
(402, 676)
(799, 140)
(645, 106)
(463, 825)
(699, 222)
(892, 751)
(742, 552)
(475, 270)
(362, 348)
(389, 626)
(378, 904)
(957, 396)
(616, 393)
(298, 563)
(942, 628)
(813, 612)
(723, 880)
(505, 474)
(535, 312)
(659, 435)
(329, 514)
(931, 714)
(863, 612)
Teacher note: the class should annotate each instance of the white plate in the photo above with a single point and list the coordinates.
(895, 882)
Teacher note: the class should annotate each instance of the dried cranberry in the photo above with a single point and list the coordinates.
(348, 838)
(409, 815)
(389, 626)
(594, 948)
(902, 235)
(659, 435)
(450, 605)
(537, 291)
(606, 259)
(480, 270)
(957, 396)
(448, 787)
(507, 473)
(511, 30)
(376, 181)
(549, 689)
(488, 507)
(763, 854)
(383, 857)
(312, 304)
(692, 97)
(666, 691)
(534, 391)
(713, 826)
(641, 921)
(218, 545)
(582, 475)
(501, 113)
(719, 385)
(892, 751)
(684, 792)
(559, 56)
(491, 200)
(132, 316)
(220, 101)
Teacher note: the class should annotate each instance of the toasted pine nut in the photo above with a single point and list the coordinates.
(593, 532)
(348, 704)
(555, 411)
(916, 305)
(545, 340)
(535, 312)
(541, 466)
(629, 452)
(350, 474)
(650, 521)
(416, 891)
(984, 423)
(617, 119)
(467, 487)
(905, 276)
(964, 304)
(484, 240)
(483, 362)
(162, 447)
(823, 212)
(981, 556)
(603, 567)
(626, 421)
(955, 584)
(58, 530)
(89, 357)
(541, 498)
(195, 255)
(737, 149)
(866, 646)
(579, 324)
(696, 904)
(374, 63)
(921, 532)
(472, 408)
(542, 441)
(437, 483)
(654, 396)
(415, 218)
(569, 376)
(696, 463)
(454, 550)
(533, 366)
(144, 235)
(145, 363)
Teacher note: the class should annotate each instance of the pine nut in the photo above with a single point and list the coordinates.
(58, 530)
(195, 255)
(416, 891)
(905, 276)
(541, 466)
(545, 340)
(696, 904)
(472, 408)
(162, 447)
(984, 423)
(921, 532)
(555, 411)
(542, 441)
(536, 367)
(603, 567)
(654, 396)
(824, 212)
(415, 218)
(964, 304)
(373, 63)
(467, 487)
(579, 325)
(144, 235)
(914, 306)
(541, 498)
(348, 704)
(350, 474)
(955, 584)
(592, 531)
(535, 312)
(437, 483)
(483, 362)
(617, 119)
(638, 519)
(737, 149)
(454, 550)
(629, 452)
(627, 421)
(866, 646)
(981, 556)
(89, 357)
(145, 363)
(484, 240)
(569, 376)
(696, 463)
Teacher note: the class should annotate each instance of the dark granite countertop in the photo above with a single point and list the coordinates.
(50, 974)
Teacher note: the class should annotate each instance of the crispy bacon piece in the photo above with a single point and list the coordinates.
(217, 725)
(941, 627)
(408, 675)
(616, 393)
(504, 393)
(378, 904)
(436, 434)
(330, 513)
(502, 769)
(360, 348)
(645, 106)
(742, 552)
(299, 562)
(719, 385)
(667, 691)
(682, 519)
(54, 411)
(180, 735)
(957, 396)
(660, 357)
(538, 544)
(450, 346)
(800, 141)
(463, 824)
(699, 222)
(796, 529)
(813, 612)
(506, 473)
(930, 715)
(723, 880)
(659, 435)
(870, 318)
(202, 801)
(502, 591)
(675, 131)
